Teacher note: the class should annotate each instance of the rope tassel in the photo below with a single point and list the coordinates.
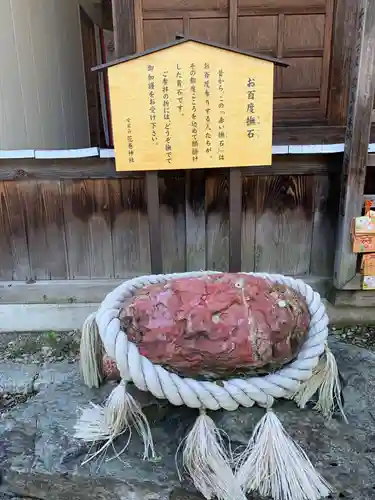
(105, 423)
(324, 379)
(91, 352)
(208, 463)
(274, 465)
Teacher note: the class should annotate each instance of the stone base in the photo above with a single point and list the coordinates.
(39, 458)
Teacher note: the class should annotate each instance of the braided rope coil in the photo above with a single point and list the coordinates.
(226, 394)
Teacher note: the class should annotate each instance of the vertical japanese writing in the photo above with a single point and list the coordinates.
(208, 123)
(194, 123)
(167, 117)
(251, 120)
(152, 104)
(180, 90)
(129, 139)
(221, 128)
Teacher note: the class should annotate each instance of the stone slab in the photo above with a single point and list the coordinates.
(17, 378)
(40, 459)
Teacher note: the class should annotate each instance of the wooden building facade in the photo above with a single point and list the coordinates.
(71, 227)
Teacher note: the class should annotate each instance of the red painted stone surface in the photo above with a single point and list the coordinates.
(110, 370)
(217, 326)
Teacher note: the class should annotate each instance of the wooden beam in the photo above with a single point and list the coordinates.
(152, 182)
(88, 291)
(342, 48)
(153, 211)
(233, 23)
(235, 219)
(104, 168)
(107, 16)
(123, 27)
(356, 140)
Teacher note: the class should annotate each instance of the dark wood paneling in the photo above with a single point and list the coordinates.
(123, 27)
(326, 197)
(153, 210)
(249, 191)
(235, 219)
(217, 221)
(168, 5)
(211, 30)
(304, 31)
(160, 31)
(14, 255)
(87, 226)
(107, 228)
(195, 220)
(300, 32)
(97, 168)
(91, 79)
(258, 33)
(172, 222)
(287, 6)
(45, 229)
(344, 30)
(284, 222)
(129, 227)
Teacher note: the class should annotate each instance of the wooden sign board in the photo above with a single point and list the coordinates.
(191, 105)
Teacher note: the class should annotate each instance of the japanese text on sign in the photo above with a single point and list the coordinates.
(192, 108)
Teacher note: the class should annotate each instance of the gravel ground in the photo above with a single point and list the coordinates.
(48, 347)
(39, 348)
(361, 336)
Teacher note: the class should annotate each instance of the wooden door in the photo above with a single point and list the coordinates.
(298, 31)
(92, 82)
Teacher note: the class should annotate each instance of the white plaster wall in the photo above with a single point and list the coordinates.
(42, 84)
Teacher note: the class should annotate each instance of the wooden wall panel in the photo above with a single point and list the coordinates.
(212, 30)
(217, 222)
(86, 229)
(160, 31)
(195, 220)
(304, 31)
(299, 32)
(176, 5)
(87, 226)
(172, 222)
(258, 33)
(44, 220)
(303, 75)
(249, 190)
(326, 194)
(129, 225)
(14, 254)
(284, 224)
(287, 6)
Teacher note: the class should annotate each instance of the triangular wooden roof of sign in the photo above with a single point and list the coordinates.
(180, 40)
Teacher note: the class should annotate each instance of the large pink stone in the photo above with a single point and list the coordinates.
(217, 326)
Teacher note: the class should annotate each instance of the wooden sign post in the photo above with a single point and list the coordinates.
(190, 105)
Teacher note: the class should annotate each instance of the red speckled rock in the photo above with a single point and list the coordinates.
(110, 370)
(217, 326)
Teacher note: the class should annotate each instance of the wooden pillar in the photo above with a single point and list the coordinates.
(235, 173)
(356, 140)
(128, 38)
(123, 27)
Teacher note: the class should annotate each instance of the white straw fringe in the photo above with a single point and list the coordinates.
(324, 379)
(90, 352)
(274, 465)
(208, 463)
(105, 423)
